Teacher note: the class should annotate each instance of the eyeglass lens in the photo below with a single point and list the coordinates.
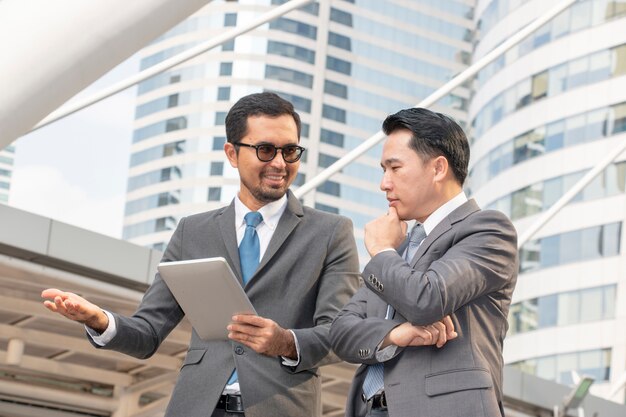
(267, 152)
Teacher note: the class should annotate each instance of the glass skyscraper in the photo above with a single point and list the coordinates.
(344, 65)
(542, 116)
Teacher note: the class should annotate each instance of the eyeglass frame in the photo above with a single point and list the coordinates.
(276, 149)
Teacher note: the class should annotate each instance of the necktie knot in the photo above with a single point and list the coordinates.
(253, 219)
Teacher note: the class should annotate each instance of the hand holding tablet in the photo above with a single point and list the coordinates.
(208, 292)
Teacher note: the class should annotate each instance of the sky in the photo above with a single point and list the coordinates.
(75, 170)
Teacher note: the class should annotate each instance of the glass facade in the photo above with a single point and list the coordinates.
(538, 197)
(563, 309)
(368, 69)
(585, 70)
(582, 128)
(571, 273)
(576, 246)
(594, 363)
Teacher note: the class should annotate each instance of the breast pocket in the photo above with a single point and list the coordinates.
(457, 380)
(193, 357)
(466, 391)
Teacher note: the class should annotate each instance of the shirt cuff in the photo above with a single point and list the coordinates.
(101, 339)
(383, 355)
(293, 362)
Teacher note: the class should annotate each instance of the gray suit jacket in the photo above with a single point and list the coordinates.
(309, 271)
(466, 267)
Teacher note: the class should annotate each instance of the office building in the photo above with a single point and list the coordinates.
(542, 116)
(345, 65)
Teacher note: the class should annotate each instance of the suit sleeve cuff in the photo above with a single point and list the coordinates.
(383, 355)
(101, 339)
(293, 362)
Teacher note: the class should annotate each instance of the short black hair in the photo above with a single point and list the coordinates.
(259, 104)
(434, 134)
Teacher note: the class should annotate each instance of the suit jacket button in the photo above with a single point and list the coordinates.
(239, 350)
(381, 287)
(371, 278)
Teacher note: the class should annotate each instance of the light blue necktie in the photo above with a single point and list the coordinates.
(375, 378)
(249, 254)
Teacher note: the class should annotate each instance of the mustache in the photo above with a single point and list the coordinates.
(271, 171)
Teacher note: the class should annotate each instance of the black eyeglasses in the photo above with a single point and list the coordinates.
(267, 152)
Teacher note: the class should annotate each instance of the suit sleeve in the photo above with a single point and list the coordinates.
(481, 260)
(158, 313)
(337, 283)
(355, 337)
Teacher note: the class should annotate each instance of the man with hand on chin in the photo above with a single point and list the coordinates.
(458, 261)
(298, 266)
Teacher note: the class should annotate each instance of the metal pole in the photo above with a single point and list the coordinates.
(435, 96)
(171, 62)
(571, 193)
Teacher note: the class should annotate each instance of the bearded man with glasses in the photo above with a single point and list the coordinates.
(299, 267)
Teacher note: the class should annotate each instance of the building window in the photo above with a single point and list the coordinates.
(220, 118)
(333, 138)
(217, 168)
(226, 68)
(340, 41)
(325, 161)
(572, 307)
(293, 26)
(334, 113)
(575, 246)
(299, 103)
(176, 123)
(300, 179)
(215, 193)
(336, 89)
(285, 74)
(230, 19)
(339, 65)
(595, 363)
(228, 45)
(327, 208)
(291, 51)
(218, 143)
(223, 93)
(330, 187)
(340, 16)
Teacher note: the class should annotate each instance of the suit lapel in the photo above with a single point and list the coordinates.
(446, 224)
(288, 221)
(226, 222)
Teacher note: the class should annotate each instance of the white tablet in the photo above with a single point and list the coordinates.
(208, 292)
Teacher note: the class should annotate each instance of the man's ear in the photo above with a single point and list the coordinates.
(231, 153)
(441, 167)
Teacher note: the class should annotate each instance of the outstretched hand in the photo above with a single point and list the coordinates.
(262, 335)
(75, 308)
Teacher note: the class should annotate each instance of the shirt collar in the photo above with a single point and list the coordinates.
(271, 212)
(442, 212)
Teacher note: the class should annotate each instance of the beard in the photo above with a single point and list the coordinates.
(265, 193)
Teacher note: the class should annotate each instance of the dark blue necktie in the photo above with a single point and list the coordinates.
(375, 378)
(249, 254)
